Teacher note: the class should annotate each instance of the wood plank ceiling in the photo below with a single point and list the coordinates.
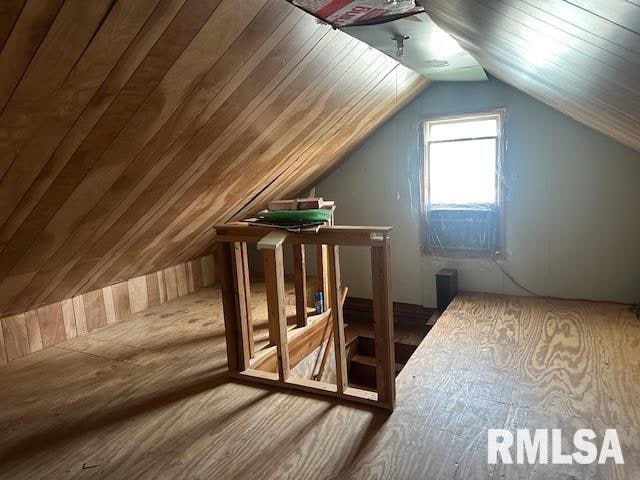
(581, 57)
(127, 128)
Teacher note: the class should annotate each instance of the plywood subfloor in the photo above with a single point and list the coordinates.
(148, 398)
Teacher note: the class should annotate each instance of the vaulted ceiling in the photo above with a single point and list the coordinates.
(581, 57)
(128, 128)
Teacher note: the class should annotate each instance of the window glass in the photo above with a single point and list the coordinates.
(462, 172)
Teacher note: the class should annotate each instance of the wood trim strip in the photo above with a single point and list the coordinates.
(300, 280)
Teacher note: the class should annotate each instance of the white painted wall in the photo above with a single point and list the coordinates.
(573, 203)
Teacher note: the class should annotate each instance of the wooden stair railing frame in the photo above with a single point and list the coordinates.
(233, 274)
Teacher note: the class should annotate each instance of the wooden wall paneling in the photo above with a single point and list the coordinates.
(334, 144)
(3, 351)
(266, 136)
(148, 160)
(138, 294)
(63, 44)
(153, 289)
(162, 286)
(208, 270)
(52, 327)
(51, 123)
(171, 280)
(210, 42)
(337, 143)
(74, 188)
(94, 309)
(109, 305)
(340, 102)
(607, 49)
(16, 338)
(116, 80)
(33, 330)
(78, 312)
(121, 302)
(52, 324)
(190, 286)
(69, 318)
(196, 271)
(313, 117)
(505, 36)
(578, 71)
(132, 136)
(181, 280)
(23, 41)
(9, 13)
(314, 135)
(224, 127)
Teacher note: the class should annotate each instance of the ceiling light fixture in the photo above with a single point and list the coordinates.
(399, 44)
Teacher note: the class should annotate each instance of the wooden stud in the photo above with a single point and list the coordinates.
(277, 315)
(248, 320)
(300, 280)
(338, 321)
(383, 324)
(240, 303)
(235, 360)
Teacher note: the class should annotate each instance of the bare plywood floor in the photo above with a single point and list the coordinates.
(148, 398)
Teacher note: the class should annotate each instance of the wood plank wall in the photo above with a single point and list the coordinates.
(127, 128)
(36, 329)
(581, 57)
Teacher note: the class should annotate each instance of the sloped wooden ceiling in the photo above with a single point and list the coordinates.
(581, 57)
(127, 128)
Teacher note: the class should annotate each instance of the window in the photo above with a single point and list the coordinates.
(462, 194)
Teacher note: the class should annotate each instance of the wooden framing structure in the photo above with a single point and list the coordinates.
(234, 281)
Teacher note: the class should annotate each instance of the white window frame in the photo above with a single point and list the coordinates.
(427, 121)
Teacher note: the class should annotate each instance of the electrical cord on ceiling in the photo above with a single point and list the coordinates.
(635, 309)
